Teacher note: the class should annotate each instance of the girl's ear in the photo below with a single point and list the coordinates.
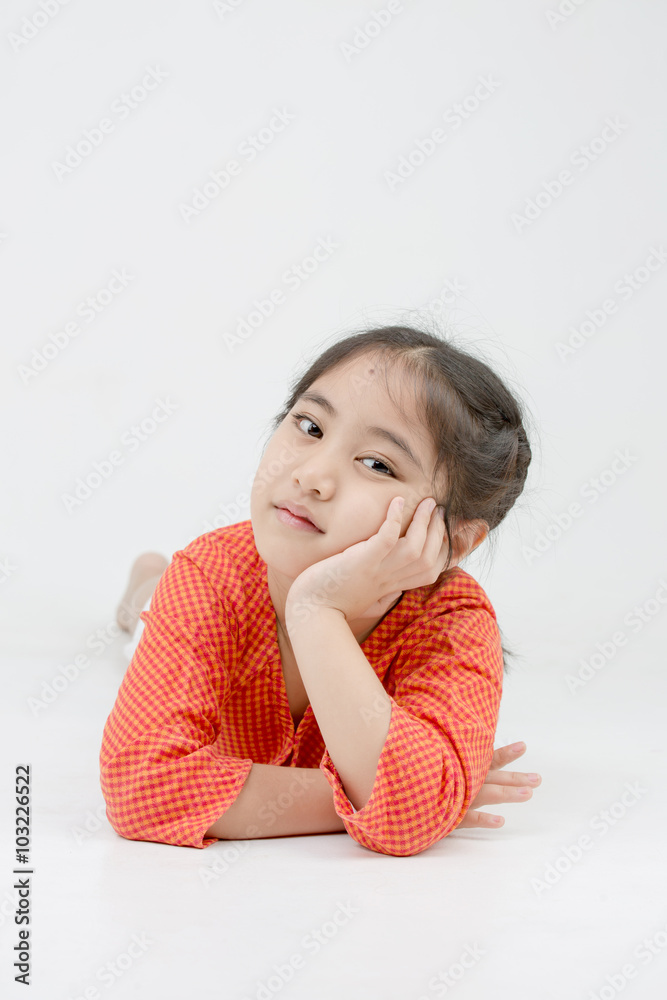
(466, 538)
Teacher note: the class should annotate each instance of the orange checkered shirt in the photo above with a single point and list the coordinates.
(204, 698)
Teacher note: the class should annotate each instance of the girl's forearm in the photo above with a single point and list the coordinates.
(279, 802)
(352, 708)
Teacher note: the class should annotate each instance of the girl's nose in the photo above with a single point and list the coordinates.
(314, 474)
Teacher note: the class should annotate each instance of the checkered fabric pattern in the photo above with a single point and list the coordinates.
(204, 698)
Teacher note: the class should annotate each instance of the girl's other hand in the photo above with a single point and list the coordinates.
(500, 786)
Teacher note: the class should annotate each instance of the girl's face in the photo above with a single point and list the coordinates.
(333, 456)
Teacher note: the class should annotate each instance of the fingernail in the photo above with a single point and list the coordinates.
(516, 747)
(523, 791)
(533, 777)
(441, 513)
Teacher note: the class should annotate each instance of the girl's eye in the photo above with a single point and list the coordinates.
(380, 462)
(299, 419)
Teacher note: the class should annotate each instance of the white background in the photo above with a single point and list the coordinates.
(359, 101)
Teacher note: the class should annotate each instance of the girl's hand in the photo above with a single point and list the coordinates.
(505, 786)
(363, 580)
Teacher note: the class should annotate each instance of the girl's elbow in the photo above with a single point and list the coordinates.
(125, 812)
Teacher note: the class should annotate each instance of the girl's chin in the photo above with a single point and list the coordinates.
(279, 558)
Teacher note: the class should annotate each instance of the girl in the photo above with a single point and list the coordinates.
(327, 665)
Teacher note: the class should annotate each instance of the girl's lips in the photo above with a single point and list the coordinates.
(300, 523)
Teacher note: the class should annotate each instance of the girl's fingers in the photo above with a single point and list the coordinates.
(393, 521)
(419, 525)
(513, 778)
(480, 820)
(424, 543)
(399, 504)
(504, 755)
(500, 787)
(496, 794)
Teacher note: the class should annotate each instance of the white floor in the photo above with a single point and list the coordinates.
(551, 906)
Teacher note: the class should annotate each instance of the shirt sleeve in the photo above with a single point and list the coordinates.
(445, 697)
(162, 777)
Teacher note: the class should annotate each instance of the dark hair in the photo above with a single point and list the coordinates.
(475, 422)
